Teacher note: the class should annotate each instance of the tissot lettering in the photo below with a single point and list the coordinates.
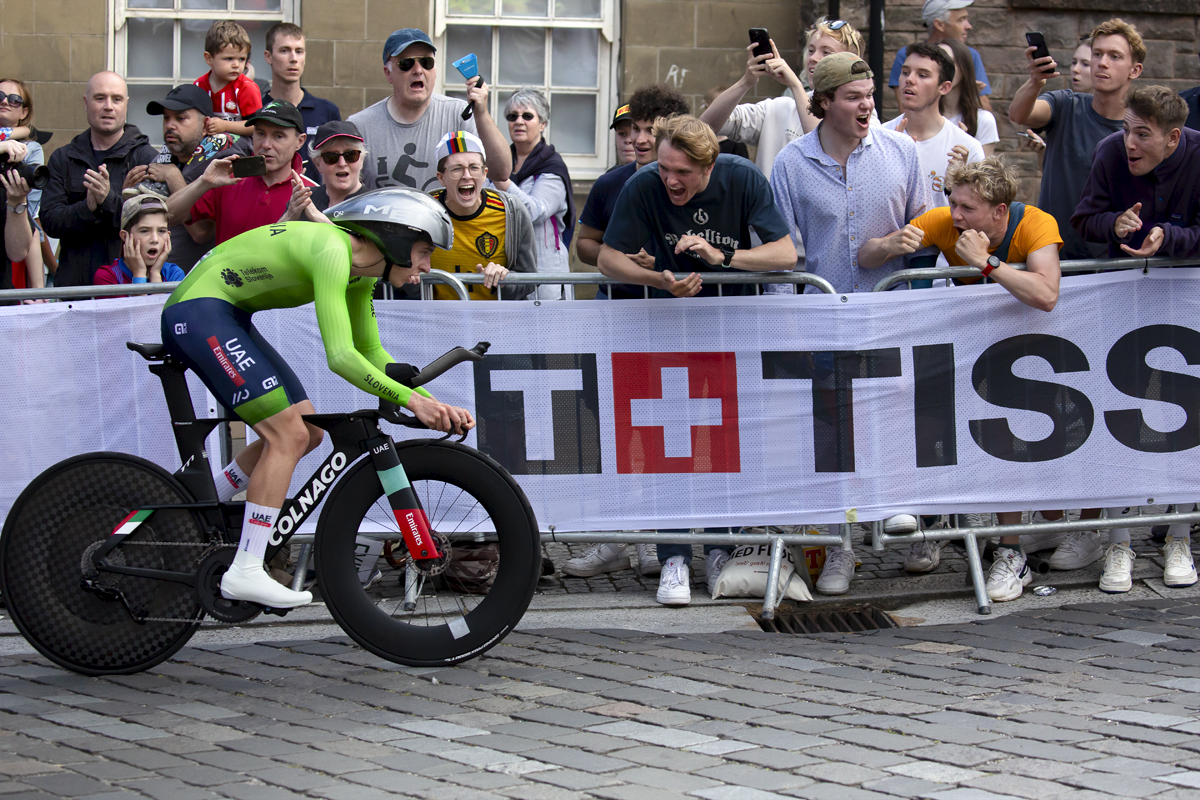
(1131, 375)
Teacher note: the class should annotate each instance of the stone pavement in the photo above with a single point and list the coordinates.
(1089, 700)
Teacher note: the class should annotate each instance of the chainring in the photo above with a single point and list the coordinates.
(208, 590)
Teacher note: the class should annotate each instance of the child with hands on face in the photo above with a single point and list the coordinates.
(147, 243)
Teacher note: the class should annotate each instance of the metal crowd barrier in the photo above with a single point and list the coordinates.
(880, 540)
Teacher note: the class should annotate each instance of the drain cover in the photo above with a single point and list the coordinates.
(846, 620)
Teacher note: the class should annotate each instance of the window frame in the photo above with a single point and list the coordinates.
(607, 79)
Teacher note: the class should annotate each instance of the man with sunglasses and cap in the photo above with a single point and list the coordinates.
(402, 130)
(185, 154)
(220, 205)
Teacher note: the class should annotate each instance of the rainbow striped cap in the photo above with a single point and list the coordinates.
(458, 142)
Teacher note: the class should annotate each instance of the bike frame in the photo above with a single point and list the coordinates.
(353, 435)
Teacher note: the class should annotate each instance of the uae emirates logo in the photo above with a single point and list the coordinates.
(231, 278)
(487, 244)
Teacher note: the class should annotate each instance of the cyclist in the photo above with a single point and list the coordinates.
(206, 323)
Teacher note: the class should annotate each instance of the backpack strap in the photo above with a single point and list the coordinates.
(1016, 212)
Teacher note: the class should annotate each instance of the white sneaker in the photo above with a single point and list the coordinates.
(1180, 569)
(597, 559)
(1118, 569)
(1008, 576)
(647, 559)
(246, 580)
(1078, 550)
(714, 562)
(1037, 542)
(901, 523)
(923, 557)
(839, 569)
(674, 586)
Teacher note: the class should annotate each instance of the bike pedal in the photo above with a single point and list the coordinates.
(279, 612)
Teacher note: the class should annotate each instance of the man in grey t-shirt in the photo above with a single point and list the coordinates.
(1075, 123)
(403, 130)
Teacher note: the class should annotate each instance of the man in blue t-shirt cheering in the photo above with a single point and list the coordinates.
(697, 206)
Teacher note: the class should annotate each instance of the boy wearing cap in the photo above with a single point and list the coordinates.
(945, 19)
(146, 243)
(403, 129)
(493, 233)
(221, 204)
(622, 128)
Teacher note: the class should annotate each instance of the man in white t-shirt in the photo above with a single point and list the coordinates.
(927, 74)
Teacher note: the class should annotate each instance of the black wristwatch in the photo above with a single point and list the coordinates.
(728, 256)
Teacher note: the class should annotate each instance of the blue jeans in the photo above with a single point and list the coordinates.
(666, 551)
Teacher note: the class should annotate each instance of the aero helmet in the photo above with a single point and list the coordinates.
(393, 219)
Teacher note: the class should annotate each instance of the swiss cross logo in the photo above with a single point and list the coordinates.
(676, 412)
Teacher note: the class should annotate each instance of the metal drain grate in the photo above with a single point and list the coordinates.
(846, 620)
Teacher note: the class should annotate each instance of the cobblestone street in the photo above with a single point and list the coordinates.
(1090, 700)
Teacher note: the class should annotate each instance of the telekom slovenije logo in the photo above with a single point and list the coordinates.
(675, 412)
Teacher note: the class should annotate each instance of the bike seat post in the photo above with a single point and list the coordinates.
(189, 431)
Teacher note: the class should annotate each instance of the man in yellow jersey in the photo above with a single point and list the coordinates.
(206, 324)
(493, 233)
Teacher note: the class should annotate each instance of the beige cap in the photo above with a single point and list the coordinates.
(837, 69)
(139, 203)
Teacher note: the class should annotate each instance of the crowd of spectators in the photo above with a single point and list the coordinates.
(855, 198)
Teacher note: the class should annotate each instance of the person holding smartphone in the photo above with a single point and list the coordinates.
(220, 204)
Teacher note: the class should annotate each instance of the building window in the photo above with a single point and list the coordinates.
(158, 44)
(562, 47)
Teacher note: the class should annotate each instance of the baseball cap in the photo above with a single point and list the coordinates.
(935, 8)
(139, 203)
(181, 98)
(281, 113)
(837, 69)
(458, 142)
(399, 40)
(623, 115)
(331, 130)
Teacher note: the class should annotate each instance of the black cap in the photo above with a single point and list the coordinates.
(623, 114)
(331, 130)
(181, 98)
(281, 113)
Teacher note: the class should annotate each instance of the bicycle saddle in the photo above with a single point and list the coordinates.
(149, 351)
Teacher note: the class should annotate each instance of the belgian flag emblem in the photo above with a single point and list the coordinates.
(487, 244)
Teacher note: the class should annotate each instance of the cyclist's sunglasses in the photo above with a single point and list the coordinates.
(528, 116)
(405, 64)
(351, 156)
(14, 100)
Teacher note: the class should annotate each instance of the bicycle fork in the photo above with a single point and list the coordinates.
(403, 501)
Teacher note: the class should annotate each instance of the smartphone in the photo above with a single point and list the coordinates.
(1035, 39)
(1025, 135)
(761, 41)
(249, 166)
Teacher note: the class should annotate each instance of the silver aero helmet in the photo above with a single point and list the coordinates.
(394, 219)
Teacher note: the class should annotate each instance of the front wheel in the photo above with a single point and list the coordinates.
(414, 617)
(50, 534)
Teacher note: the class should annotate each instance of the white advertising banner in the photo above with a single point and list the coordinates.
(718, 411)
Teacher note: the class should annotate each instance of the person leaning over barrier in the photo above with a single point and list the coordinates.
(493, 234)
(697, 206)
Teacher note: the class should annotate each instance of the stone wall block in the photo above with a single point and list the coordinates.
(641, 69)
(1160, 60)
(16, 16)
(1187, 66)
(348, 99)
(694, 72)
(660, 23)
(359, 64)
(727, 24)
(318, 62)
(60, 109)
(41, 57)
(343, 19)
(67, 16)
(385, 16)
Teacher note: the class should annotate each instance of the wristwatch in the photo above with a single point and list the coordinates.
(992, 263)
(728, 256)
(19, 208)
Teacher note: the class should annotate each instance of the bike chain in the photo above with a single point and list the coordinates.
(190, 620)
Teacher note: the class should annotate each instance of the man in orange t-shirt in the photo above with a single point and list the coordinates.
(975, 225)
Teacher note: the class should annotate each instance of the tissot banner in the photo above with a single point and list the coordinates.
(724, 411)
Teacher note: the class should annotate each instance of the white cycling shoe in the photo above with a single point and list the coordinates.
(247, 580)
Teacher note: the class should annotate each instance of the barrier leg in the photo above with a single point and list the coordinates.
(844, 530)
(877, 536)
(770, 598)
(301, 567)
(982, 601)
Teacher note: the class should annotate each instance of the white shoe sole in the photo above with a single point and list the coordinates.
(1182, 580)
(589, 572)
(674, 598)
(1076, 562)
(1116, 588)
(1011, 594)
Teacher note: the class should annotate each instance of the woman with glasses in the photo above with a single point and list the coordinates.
(541, 182)
(338, 153)
(16, 126)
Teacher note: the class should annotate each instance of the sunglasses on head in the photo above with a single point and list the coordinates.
(351, 156)
(528, 116)
(14, 100)
(405, 64)
(836, 25)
